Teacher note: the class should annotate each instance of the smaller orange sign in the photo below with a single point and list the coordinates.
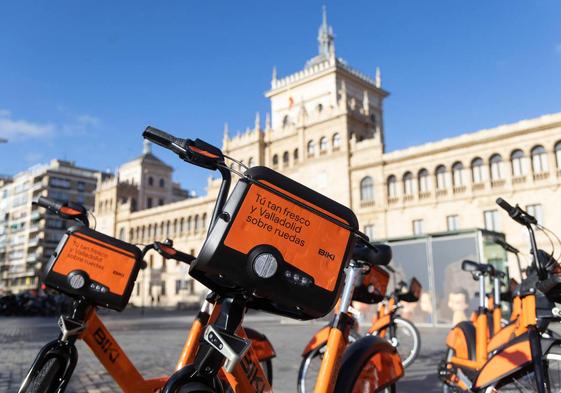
(105, 264)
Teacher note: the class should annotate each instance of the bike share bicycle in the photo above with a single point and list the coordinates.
(278, 246)
(98, 270)
(386, 323)
(530, 360)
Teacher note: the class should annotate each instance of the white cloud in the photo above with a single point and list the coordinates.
(33, 157)
(11, 128)
(18, 129)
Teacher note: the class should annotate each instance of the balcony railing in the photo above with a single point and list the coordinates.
(541, 176)
(459, 189)
(367, 203)
(441, 193)
(498, 183)
(392, 200)
(519, 180)
(478, 186)
(408, 198)
(424, 194)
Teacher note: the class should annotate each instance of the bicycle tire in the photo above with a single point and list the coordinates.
(357, 373)
(408, 329)
(42, 381)
(309, 366)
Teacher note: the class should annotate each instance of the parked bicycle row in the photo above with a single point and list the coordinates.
(272, 245)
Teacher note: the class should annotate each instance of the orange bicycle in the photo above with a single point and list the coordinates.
(278, 246)
(97, 270)
(386, 323)
(523, 356)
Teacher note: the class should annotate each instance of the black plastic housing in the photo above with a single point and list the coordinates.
(108, 267)
(308, 235)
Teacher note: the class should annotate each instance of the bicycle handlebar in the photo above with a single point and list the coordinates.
(516, 213)
(66, 210)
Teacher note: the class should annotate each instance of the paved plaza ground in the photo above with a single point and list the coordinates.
(154, 341)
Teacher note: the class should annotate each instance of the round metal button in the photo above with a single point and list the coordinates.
(77, 281)
(265, 265)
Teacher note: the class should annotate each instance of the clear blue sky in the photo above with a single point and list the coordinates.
(81, 79)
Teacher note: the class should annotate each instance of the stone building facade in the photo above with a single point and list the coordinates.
(326, 130)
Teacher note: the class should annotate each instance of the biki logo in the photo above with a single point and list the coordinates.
(106, 344)
(326, 254)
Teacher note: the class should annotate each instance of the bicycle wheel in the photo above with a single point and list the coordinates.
(370, 365)
(45, 380)
(407, 340)
(525, 380)
(309, 367)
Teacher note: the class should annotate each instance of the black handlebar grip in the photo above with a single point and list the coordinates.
(48, 204)
(505, 205)
(159, 137)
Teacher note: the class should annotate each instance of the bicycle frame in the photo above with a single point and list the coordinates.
(114, 359)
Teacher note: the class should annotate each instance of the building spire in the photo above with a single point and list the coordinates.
(325, 37)
(147, 147)
(257, 121)
(378, 77)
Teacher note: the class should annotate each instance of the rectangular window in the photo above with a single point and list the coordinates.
(417, 227)
(536, 211)
(453, 222)
(163, 293)
(149, 203)
(59, 183)
(369, 231)
(492, 221)
(177, 286)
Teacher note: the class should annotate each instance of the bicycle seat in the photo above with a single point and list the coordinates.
(471, 266)
(372, 254)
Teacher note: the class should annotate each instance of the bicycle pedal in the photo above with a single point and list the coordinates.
(233, 348)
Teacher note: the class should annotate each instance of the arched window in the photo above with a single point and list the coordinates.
(181, 225)
(366, 189)
(143, 232)
(150, 181)
(539, 159)
(496, 166)
(203, 221)
(392, 187)
(285, 158)
(440, 173)
(175, 227)
(285, 121)
(162, 183)
(518, 164)
(477, 170)
(424, 180)
(162, 230)
(189, 226)
(319, 108)
(295, 155)
(408, 183)
(196, 222)
(323, 145)
(250, 162)
(311, 148)
(131, 235)
(336, 141)
(275, 160)
(122, 234)
(458, 174)
(137, 236)
(150, 232)
(557, 149)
